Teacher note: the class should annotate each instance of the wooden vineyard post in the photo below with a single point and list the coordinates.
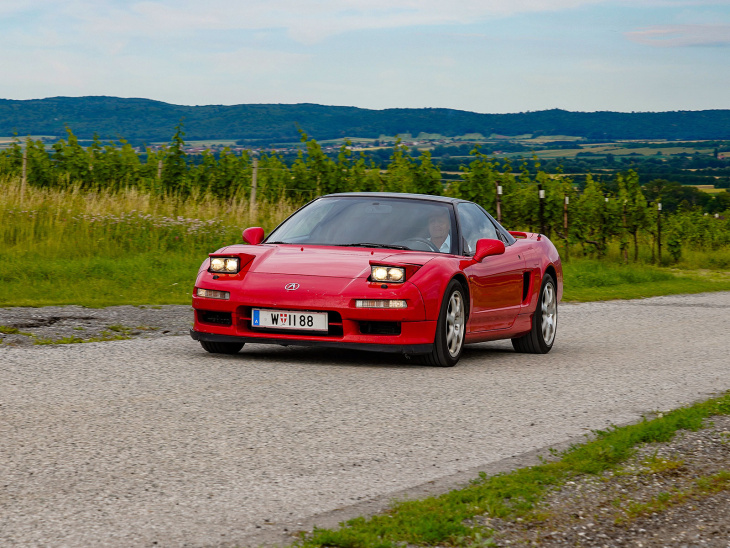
(254, 183)
(565, 228)
(499, 201)
(24, 179)
(659, 231)
(625, 243)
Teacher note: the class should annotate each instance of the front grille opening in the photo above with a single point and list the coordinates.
(215, 318)
(334, 319)
(380, 328)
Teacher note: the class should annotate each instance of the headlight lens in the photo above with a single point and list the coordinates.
(392, 274)
(225, 265)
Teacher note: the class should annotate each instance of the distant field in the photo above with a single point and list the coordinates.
(602, 150)
(5, 142)
(547, 139)
(208, 143)
(709, 189)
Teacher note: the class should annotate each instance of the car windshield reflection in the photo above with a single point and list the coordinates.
(355, 221)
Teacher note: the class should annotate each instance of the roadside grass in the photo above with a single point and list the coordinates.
(104, 248)
(73, 339)
(151, 278)
(9, 330)
(446, 520)
(101, 248)
(592, 280)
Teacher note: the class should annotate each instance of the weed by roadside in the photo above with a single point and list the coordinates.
(105, 336)
(10, 330)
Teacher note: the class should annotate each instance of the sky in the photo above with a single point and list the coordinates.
(488, 56)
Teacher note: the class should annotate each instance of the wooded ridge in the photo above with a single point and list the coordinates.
(147, 120)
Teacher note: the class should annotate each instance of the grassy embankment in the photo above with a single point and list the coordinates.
(101, 249)
(442, 520)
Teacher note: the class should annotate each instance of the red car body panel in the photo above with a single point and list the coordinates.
(502, 292)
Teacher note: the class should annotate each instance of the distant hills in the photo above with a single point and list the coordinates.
(139, 120)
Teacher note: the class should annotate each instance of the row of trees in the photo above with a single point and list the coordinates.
(600, 212)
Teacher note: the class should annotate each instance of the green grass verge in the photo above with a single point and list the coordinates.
(441, 520)
(141, 279)
(591, 280)
(157, 278)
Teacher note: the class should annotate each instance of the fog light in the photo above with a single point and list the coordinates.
(212, 293)
(380, 303)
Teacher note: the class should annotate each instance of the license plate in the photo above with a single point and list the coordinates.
(289, 319)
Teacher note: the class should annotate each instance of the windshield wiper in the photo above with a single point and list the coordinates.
(370, 244)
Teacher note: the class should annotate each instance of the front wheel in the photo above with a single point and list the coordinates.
(541, 337)
(449, 341)
(221, 347)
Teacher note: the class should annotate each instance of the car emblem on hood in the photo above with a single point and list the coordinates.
(291, 287)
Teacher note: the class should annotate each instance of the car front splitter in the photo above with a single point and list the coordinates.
(413, 349)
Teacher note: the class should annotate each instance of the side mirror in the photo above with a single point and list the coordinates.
(253, 235)
(488, 247)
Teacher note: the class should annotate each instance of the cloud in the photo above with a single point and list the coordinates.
(682, 35)
(306, 21)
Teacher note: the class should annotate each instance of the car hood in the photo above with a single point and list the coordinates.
(337, 262)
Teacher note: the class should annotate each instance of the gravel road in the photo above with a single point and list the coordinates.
(154, 442)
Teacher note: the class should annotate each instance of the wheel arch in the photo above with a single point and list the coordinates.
(552, 272)
(461, 278)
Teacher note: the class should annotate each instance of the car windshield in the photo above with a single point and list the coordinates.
(397, 223)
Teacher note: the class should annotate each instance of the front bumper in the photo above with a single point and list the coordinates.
(405, 331)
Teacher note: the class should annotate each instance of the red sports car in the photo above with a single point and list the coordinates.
(405, 273)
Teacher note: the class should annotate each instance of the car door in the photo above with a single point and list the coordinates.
(495, 282)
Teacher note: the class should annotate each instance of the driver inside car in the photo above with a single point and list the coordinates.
(439, 226)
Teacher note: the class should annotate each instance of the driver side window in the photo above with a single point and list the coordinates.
(474, 225)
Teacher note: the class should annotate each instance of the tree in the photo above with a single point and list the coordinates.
(635, 209)
(426, 176)
(399, 175)
(71, 160)
(174, 165)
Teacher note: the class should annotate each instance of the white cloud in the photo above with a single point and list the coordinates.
(305, 21)
(682, 35)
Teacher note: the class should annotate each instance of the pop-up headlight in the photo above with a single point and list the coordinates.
(224, 265)
(390, 274)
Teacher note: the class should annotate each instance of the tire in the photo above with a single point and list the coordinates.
(221, 347)
(448, 343)
(541, 337)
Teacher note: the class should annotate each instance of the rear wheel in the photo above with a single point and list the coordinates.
(221, 347)
(541, 337)
(449, 341)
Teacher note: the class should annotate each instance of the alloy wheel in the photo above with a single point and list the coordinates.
(549, 306)
(455, 324)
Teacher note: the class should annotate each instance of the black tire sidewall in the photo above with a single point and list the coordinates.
(441, 351)
(537, 322)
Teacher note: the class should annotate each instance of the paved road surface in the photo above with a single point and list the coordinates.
(156, 443)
